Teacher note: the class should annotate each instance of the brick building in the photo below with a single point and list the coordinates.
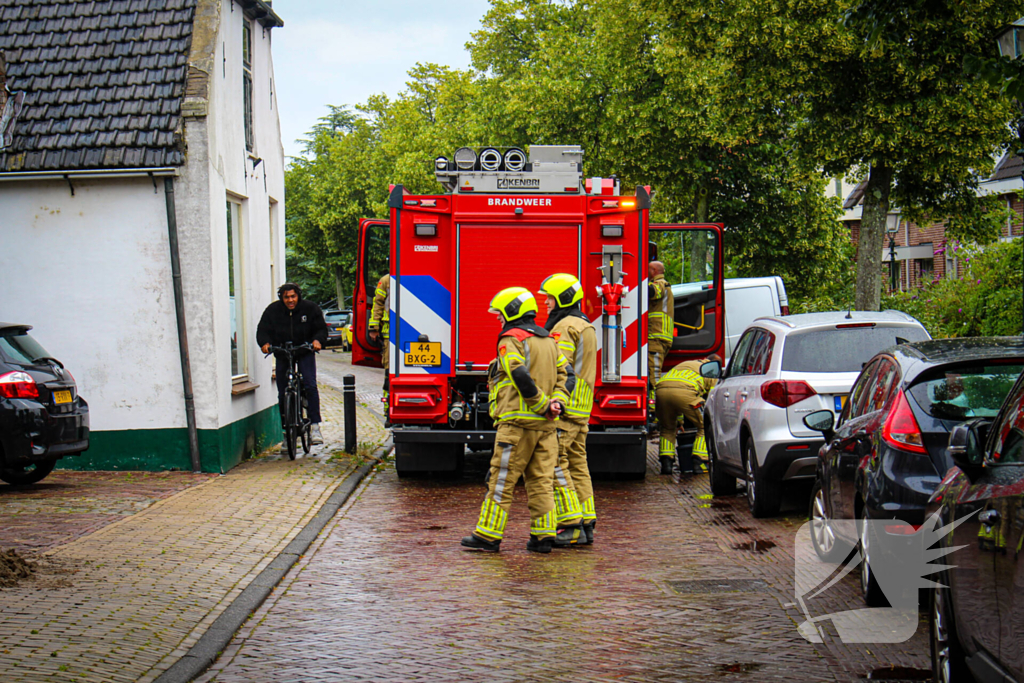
(923, 253)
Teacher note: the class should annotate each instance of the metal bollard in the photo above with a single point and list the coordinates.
(348, 392)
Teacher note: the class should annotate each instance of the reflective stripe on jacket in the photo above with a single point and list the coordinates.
(660, 309)
(381, 312)
(687, 375)
(577, 341)
(547, 368)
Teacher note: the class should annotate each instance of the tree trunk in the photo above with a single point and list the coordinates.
(339, 286)
(698, 240)
(868, 295)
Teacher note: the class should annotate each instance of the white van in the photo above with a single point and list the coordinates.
(746, 299)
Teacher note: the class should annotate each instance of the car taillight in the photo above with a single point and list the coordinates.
(785, 310)
(901, 429)
(18, 384)
(784, 393)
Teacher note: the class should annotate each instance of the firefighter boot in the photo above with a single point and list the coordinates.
(666, 464)
(570, 536)
(474, 542)
(537, 544)
(588, 530)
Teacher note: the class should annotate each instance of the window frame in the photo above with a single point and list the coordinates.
(740, 353)
(247, 86)
(237, 282)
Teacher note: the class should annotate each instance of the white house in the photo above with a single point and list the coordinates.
(143, 122)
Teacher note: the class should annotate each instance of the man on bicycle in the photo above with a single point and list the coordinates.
(294, 319)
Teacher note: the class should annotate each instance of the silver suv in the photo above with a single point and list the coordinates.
(784, 368)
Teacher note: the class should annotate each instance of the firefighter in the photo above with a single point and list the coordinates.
(574, 492)
(379, 328)
(681, 392)
(660, 315)
(529, 387)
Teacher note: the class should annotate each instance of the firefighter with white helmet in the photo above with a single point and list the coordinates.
(681, 393)
(529, 385)
(577, 340)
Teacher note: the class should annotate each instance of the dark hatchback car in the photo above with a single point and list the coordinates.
(336, 323)
(976, 617)
(42, 417)
(887, 455)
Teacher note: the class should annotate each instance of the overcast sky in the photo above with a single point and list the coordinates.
(332, 52)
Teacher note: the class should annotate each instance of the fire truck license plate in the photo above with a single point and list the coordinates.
(424, 354)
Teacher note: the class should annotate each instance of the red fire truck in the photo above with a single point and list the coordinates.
(508, 219)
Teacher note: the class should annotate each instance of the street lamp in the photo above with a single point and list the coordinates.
(892, 226)
(1011, 41)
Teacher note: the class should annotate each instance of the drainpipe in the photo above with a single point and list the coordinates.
(179, 309)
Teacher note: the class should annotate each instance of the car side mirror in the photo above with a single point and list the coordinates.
(821, 421)
(712, 369)
(966, 445)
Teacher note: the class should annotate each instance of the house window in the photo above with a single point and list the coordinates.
(926, 269)
(247, 81)
(236, 293)
(273, 248)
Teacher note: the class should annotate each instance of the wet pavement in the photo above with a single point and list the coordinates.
(677, 587)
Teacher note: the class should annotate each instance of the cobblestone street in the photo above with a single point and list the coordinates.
(386, 594)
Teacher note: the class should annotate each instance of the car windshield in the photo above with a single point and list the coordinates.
(337, 318)
(843, 349)
(18, 347)
(963, 392)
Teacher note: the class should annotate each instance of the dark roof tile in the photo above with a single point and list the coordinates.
(93, 158)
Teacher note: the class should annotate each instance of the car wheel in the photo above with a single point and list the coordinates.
(721, 483)
(873, 595)
(763, 497)
(27, 474)
(948, 658)
(827, 544)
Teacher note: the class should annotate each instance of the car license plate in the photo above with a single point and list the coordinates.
(840, 402)
(423, 354)
(62, 397)
(339, 329)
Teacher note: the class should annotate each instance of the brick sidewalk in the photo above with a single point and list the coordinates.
(140, 587)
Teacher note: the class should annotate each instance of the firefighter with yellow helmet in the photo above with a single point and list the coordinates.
(577, 340)
(681, 393)
(380, 316)
(660, 319)
(529, 385)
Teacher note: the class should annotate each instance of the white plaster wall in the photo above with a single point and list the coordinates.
(219, 165)
(92, 274)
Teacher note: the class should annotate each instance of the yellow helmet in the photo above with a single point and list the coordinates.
(566, 289)
(513, 303)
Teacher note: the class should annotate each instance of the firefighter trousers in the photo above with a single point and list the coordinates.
(657, 349)
(533, 454)
(672, 403)
(574, 492)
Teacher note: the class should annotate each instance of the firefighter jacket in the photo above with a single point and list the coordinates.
(577, 341)
(381, 313)
(687, 376)
(529, 372)
(660, 309)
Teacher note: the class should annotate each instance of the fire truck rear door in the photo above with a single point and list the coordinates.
(692, 254)
(372, 263)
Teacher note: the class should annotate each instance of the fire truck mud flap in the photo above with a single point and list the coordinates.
(617, 454)
(435, 452)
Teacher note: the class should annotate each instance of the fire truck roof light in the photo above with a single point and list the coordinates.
(515, 160)
(628, 203)
(428, 203)
(465, 158)
(490, 159)
(613, 204)
(441, 164)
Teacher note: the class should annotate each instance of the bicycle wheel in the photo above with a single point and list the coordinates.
(291, 432)
(305, 427)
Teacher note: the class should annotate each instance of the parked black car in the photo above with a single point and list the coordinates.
(977, 617)
(337, 335)
(42, 417)
(888, 453)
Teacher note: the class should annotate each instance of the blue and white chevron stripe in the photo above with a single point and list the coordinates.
(426, 310)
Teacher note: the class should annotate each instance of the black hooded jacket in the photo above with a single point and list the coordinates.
(279, 325)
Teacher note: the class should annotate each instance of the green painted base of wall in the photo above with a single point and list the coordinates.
(167, 449)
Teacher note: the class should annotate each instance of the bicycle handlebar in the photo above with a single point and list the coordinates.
(290, 350)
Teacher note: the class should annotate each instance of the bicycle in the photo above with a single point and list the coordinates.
(294, 420)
